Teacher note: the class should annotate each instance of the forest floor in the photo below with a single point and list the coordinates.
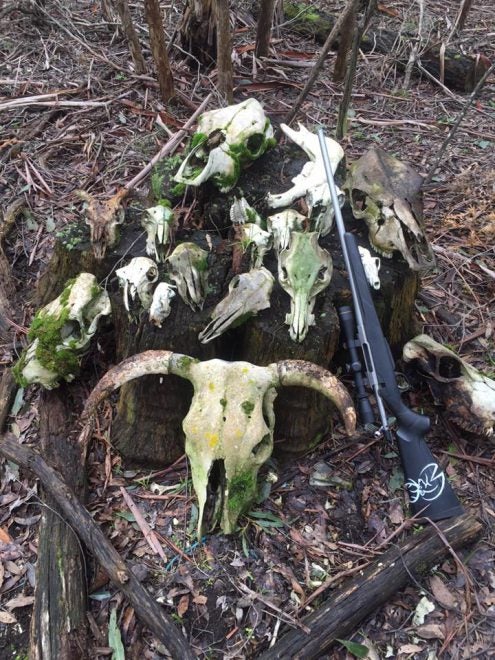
(82, 120)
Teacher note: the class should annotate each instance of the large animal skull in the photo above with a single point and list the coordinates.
(229, 426)
(61, 332)
(467, 395)
(137, 279)
(225, 140)
(188, 268)
(248, 294)
(304, 269)
(312, 183)
(282, 225)
(157, 222)
(259, 240)
(386, 193)
(160, 305)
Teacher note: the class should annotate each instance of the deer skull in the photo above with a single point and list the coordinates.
(248, 294)
(304, 269)
(61, 331)
(225, 140)
(311, 183)
(386, 193)
(229, 426)
(188, 268)
(137, 279)
(157, 222)
(467, 395)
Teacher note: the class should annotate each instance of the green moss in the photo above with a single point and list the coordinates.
(223, 403)
(248, 407)
(202, 265)
(17, 370)
(178, 190)
(302, 11)
(197, 139)
(185, 362)
(241, 489)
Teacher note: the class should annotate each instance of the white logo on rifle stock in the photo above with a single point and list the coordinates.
(429, 486)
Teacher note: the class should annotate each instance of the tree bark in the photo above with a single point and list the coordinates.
(130, 33)
(345, 42)
(159, 49)
(198, 31)
(224, 51)
(264, 27)
(342, 612)
(90, 533)
(58, 623)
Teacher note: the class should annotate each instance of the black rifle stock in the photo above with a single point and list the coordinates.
(430, 494)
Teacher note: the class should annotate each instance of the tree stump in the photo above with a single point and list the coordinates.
(148, 426)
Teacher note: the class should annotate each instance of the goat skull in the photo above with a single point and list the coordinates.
(188, 268)
(229, 426)
(157, 222)
(137, 279)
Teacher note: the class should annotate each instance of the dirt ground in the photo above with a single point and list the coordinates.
(82, 120)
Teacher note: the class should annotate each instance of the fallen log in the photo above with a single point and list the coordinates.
(58, 623)
(453, 68)
(342, 612)
(96, 542)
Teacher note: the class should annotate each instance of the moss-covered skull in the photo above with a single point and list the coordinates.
(304, 269)
(385, 193)
(256, 239)
(137, 279)
(229, 426)
(248, 294)
(467, 395)
(188, 268)
(157, 222)
(225, 140)
(61, 332)
(312, 183)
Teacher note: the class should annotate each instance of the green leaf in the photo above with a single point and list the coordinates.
(266, 519)
(127, 515)
(358, 650)
(396, 481)
(18, 402)
(114, 638)
(483, 144)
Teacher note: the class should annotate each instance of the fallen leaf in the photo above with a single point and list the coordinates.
(19, 601)
(442, 593)
(5, 536)
(200, 600)
(183, 606)
(423, 608)
(7, 617)
(410, 648)
(430, 631)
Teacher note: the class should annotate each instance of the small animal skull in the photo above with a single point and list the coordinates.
(304, 269)
(160, 304)
(225, 140)
(241, 213)
(137, 279)
(371, 267)
(188, 268)
(386, 193)
(282, 225)
(312, 183)
(157, 222)
(248, 294)
(229, 426)
(259, 240)
(467, 395)
(61, 332)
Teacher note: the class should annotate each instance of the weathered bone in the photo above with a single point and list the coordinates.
(371, 267)
(259, 240)
(282, 225)
(386, 193)
(103, 217)
(137, 279)
(241, 213)
(311, 182)
(304, 270)
(467, 395)
(229, 426)
(160, 305)
(188, 268)
(248, 294)
(157, 222)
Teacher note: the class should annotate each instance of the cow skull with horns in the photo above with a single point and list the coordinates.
(229, 426)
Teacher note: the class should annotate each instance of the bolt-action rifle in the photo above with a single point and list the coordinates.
(430, 494)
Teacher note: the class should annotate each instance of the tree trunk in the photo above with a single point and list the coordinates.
(131, 35)
(198, 32)
(347, 34)
(224, 51)
(264, 28)
(159, 49)
(58, 623)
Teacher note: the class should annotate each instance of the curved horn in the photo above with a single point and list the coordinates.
(142, 364)
(307, 374)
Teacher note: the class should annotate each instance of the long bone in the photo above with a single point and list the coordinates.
(229, 426)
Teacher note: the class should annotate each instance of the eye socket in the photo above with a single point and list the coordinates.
(449, 367)
(283, 274)
(265, 443)
(322, 273)
(254, 143)
(71, 329)
(234, 283)
(151, 274)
